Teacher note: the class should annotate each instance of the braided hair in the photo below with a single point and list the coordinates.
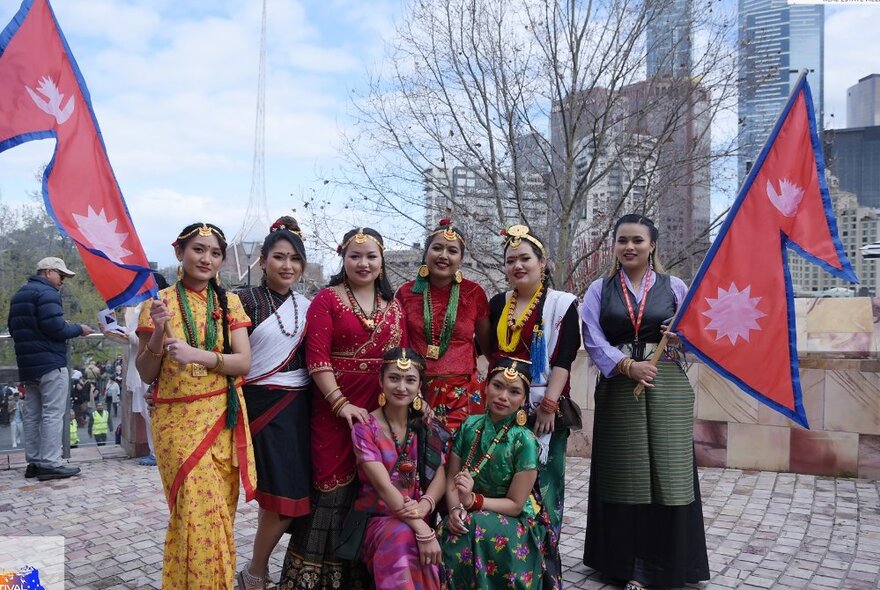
(188, 233)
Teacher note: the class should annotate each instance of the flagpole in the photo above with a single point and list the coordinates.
(661, 347)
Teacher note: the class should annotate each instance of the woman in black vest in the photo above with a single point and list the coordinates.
(645, 519)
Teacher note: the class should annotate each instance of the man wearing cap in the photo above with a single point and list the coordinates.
(37, 325)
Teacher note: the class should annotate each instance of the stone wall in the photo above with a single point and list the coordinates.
(839, 348)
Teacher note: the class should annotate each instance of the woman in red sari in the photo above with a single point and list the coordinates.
(350, 326)
(445, 315)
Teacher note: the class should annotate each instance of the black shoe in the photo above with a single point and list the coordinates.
(31, 471)
(60, 472)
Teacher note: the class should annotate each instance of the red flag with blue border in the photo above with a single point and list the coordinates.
(738, 316)
(43, 95)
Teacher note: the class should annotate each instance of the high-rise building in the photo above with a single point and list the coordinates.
(668, 38)
(863, 103)
(857, 226)
(776, 41)
(853, 156)
(654, 160)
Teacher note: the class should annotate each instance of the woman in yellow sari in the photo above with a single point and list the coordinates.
(194, 345)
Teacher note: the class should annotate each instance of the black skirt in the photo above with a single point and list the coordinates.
(279, 421)
(650, 543)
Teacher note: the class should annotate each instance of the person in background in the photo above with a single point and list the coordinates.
(16, 418)
(36, 323)
(112, 395)
(74, 433)
(644, 516)
(100, 424)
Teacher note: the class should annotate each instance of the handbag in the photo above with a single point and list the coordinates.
(568, 415)
(351, 536)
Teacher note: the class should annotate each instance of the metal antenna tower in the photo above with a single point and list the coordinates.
(256, 218)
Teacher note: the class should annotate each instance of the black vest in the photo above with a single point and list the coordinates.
(614, 317)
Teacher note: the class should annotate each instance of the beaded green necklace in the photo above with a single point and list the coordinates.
(189, 322)
(435, 351)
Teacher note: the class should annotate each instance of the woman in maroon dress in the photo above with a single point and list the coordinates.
(350, 326)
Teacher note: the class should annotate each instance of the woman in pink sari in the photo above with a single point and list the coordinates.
(400, 465)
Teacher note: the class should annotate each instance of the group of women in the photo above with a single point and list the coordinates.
(362, 423)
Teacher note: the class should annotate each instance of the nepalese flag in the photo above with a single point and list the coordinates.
(43, 95)
(739, 316)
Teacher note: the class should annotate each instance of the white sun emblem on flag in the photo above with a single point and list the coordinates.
(101, 234)
(733, 313)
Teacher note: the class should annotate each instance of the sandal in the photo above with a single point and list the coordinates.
(248, 581)
(631, 586)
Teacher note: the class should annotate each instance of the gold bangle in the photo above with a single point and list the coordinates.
(339, 409)
(152, 352)
(338, 405)
(329, 393)
(219, 366)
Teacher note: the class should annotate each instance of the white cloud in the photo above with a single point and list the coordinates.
(851, 49)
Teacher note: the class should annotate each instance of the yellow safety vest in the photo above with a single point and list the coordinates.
(99, 422)
(74, 435)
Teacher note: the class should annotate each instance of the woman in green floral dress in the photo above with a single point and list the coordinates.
(497, 535)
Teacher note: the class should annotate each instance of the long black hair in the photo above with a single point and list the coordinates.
(382, 284)
(185, 236)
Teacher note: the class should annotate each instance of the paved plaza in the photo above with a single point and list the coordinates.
(764, 529)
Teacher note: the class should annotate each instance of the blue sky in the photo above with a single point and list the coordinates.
(173, 86)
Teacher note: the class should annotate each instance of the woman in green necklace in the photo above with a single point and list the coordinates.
(446, 314)
(193, 344)
(497, 534)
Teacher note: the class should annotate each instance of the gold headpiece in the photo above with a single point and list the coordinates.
(515, 234)
(449, 234)
(512, 372)
(359, 238)
(204, 230)
(403, 363)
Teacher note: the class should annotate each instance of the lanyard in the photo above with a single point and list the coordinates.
(646, 286)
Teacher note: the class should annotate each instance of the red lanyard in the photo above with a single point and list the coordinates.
(646, 286)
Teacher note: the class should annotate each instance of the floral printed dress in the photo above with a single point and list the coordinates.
(498, 551)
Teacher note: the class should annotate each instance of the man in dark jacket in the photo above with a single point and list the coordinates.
(36, 322)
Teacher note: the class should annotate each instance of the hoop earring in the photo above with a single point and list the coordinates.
(382, 400)
(459, 276)
(521, 417)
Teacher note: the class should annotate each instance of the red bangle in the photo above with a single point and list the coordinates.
(477, 504)
(549, 406)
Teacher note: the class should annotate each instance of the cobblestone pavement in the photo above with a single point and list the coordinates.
(764, 529)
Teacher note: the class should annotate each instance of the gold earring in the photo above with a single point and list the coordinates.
(217, 278)
(417, 403)
(423, 271)
(382, 399)
(179, 272)
(458, 276)
(521, 417)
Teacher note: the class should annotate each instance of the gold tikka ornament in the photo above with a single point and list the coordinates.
(403, 363)
(515, 234)
(511, 374)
